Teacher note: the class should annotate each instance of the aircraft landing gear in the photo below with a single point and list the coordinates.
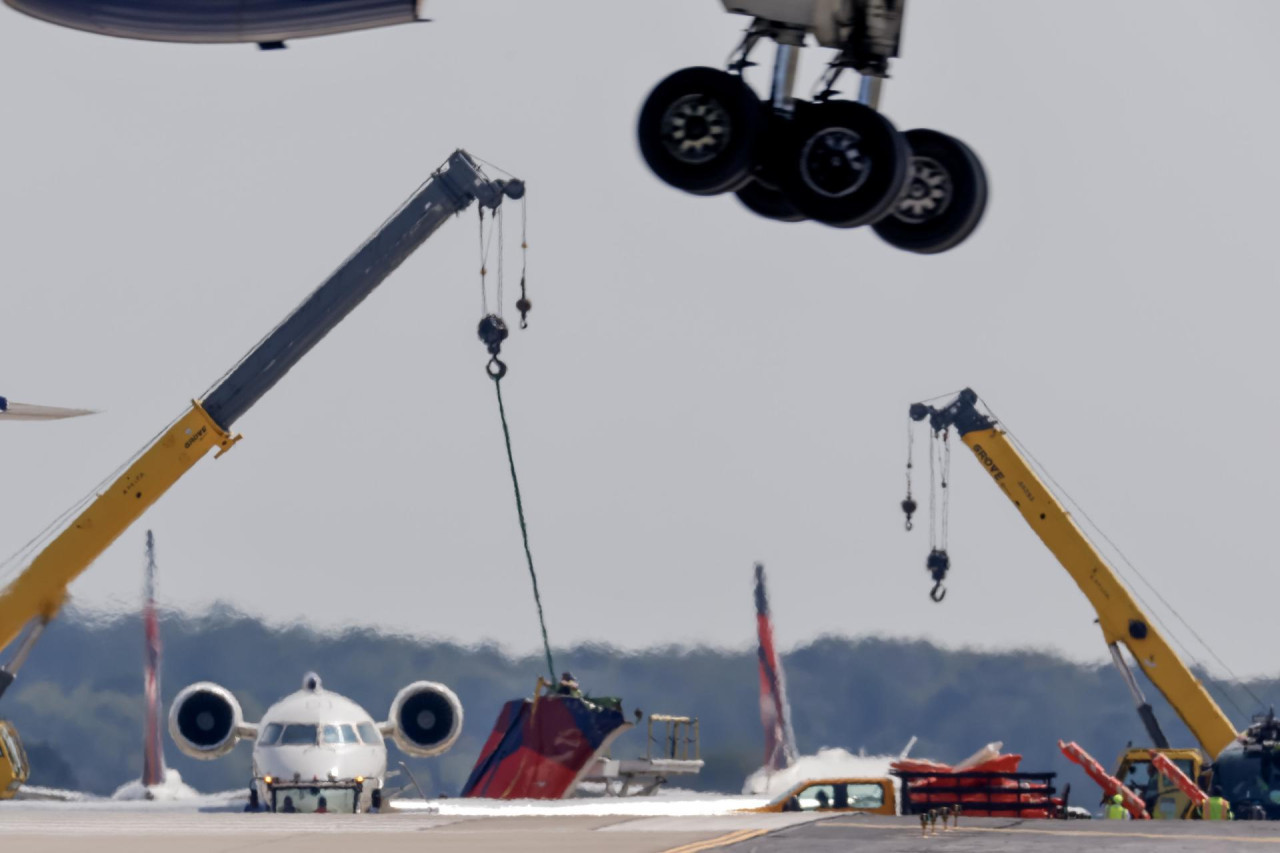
(844, 164)
(838, 162)
(763, 194)
(944, 200)
(699, 129)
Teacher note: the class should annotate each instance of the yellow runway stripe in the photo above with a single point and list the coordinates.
(1074, 834)
(721, 841)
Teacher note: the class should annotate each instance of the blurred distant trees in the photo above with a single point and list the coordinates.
(78, 702)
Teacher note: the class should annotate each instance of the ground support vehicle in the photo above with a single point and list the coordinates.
(873, 795)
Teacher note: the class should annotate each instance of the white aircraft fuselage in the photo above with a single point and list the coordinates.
(316, 750)
(320, 737)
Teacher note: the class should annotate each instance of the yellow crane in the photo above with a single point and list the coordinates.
(38, 592)
(1246, 762)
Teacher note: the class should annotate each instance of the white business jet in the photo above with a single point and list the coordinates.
(316, 750)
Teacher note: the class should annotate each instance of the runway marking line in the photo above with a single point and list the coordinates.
(720, 841)
(1083, 832)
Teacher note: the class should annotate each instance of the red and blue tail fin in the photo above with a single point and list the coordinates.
(153, 746)
(775, 710)
(539, 749)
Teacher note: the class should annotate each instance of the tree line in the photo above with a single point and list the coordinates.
(78, 701)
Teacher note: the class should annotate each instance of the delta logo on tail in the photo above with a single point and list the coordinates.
(775, 710)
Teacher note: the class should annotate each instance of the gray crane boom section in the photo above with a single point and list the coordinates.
(450, 190)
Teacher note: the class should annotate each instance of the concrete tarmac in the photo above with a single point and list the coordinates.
(72, 830)
(79, 830)
(873, 834)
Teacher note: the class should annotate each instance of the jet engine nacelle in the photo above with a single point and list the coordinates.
(268, 22)
(205, 721)
(426, 719)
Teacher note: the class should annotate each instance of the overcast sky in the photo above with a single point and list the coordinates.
(698, 388)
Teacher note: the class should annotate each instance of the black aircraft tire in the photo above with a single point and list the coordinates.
(769, 203)
(763, 195)
(698, 130)
(843, 163)
(945, 196)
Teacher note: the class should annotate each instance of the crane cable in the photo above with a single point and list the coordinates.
(908, 504)
(938, 562)
(492, 332)
(524, 529)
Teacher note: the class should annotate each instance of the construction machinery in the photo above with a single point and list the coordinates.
(1246, 765)
(674, 749)
(35, 596)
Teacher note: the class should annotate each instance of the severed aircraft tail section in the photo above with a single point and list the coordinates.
(541, 748)
(153, 746)
(10, 411)
(775, 710)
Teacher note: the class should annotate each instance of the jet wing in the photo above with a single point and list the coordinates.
(28, 412)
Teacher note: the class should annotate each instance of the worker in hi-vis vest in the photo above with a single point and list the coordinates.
(1116, 809)
(1216, 808)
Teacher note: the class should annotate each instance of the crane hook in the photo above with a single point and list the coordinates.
(938, 564)
(909, 508)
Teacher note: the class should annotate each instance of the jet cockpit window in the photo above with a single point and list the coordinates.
(343, 733)
(369, 734)
(299, 734)
(270, 734)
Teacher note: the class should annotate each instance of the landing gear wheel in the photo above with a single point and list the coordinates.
(762, 195)
(843, 163)
(944, 199)
(769, 203)
(698, 130)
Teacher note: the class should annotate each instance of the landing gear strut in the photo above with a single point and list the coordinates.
(838, 162)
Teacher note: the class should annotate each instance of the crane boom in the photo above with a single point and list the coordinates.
(38, 592)
(1121, 619)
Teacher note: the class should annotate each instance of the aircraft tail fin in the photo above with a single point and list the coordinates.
(153, 745)
(775, 710)
(26, 412)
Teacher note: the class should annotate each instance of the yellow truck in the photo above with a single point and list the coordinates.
(868, 795)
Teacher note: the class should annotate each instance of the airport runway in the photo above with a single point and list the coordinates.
(871, 834)
(143, 830)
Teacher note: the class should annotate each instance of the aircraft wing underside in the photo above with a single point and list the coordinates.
(220, 21)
